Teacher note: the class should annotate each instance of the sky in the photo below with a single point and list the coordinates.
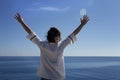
(99, 37)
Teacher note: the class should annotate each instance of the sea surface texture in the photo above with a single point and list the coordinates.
(77, 68)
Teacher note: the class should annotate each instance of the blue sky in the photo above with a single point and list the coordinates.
(100, 37)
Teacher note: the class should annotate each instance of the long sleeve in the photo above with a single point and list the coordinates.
(34, 38)
(69, 40)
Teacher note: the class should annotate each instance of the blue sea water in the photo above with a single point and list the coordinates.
(77, 68)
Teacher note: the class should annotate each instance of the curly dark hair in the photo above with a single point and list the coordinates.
(52, 33)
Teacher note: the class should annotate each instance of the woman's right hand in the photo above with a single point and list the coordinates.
(84, 20)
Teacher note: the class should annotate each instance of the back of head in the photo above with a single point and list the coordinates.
(52, 33)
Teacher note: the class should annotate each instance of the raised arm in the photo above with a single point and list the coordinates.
(19, 18)
(84, 20)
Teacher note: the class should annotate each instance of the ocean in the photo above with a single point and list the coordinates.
(77, 68)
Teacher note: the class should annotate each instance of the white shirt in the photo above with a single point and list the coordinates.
(52, 59)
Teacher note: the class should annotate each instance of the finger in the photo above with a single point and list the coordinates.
(15, 16)
(80, 19)
(18, 14)
(86, 18)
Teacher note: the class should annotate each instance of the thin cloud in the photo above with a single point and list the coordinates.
(49, 8)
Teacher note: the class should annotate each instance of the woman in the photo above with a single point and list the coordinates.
(52, 59)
